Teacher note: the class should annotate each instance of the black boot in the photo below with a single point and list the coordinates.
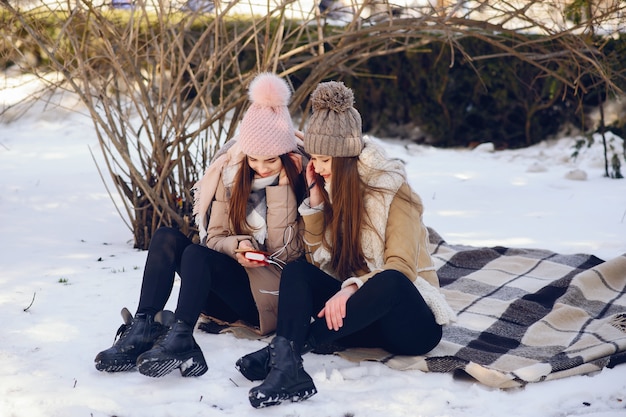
(256, 365)
(176, 349)
(134, 337)
(287, 379)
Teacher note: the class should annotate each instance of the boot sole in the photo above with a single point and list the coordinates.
(259, 399)
(122, 367)
(117, 362)
(155, 367)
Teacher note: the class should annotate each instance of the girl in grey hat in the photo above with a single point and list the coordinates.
(369, 280)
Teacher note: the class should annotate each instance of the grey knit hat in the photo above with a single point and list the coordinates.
(334, 128)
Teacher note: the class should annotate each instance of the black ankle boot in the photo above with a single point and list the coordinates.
(176, 349)
(134, 337)
(286, 380)
(256, 365)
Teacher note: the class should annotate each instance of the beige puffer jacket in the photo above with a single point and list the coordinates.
(284, 229)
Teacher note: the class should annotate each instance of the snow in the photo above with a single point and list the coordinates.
(68, 267)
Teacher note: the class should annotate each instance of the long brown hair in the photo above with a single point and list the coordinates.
(345, 217)
(242, 187)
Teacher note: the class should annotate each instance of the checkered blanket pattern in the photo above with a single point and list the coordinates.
(524, 315)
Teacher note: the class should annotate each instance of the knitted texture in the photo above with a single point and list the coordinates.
(334, 128)
(266, 128)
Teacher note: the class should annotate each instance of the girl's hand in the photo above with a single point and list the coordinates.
(335, 309)
(315, 194)
(241, 258)
(310, 173)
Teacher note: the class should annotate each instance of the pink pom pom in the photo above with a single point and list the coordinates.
(269, 90)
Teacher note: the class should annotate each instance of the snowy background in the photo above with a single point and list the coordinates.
(68, 266)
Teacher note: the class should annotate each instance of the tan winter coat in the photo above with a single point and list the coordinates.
(394, 217)
(283, 226)
(406, 239)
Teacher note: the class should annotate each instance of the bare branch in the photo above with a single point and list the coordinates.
(166, 89)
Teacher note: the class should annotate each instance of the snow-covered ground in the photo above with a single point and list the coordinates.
(68, 266)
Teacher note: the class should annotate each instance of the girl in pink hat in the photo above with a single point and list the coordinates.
(247, 200)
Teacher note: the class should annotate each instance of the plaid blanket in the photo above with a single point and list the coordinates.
(524, 315)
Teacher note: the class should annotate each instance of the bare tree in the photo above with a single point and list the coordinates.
(166, 89)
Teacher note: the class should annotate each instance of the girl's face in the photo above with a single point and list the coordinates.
(265, 166)
(322, 165)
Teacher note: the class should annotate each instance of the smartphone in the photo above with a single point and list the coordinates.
(253, 255)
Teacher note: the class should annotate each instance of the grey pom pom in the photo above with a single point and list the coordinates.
(332, 95)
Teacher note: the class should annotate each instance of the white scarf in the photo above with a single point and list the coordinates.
(257, 207)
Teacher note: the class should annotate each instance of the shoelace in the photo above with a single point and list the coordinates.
(123, 332)
(120, 332)
(161, 339)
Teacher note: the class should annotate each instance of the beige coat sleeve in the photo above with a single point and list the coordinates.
(313, 220)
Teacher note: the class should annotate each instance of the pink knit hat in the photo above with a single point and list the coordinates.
(266, 128)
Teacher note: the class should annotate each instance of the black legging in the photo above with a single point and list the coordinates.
(387, 312)
(210, 281)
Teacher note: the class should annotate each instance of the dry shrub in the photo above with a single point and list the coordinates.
(166, 89)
